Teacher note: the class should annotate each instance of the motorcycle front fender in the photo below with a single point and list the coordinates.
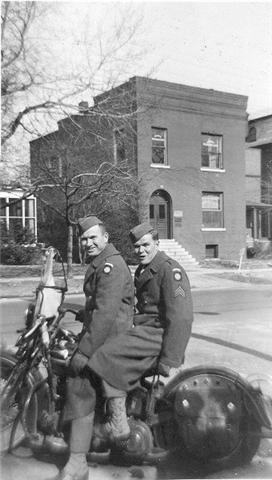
(253, 399)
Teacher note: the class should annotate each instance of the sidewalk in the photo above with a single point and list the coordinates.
(201, 279)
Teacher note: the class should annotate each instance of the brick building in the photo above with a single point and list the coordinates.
(187, 148)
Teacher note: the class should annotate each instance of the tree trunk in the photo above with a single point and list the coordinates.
(69, 251)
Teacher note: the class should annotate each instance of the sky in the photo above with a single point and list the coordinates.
(224, 46)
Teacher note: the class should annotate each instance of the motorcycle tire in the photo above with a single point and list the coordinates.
(11, 428)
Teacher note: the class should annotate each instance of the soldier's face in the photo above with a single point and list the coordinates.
(94, 241)
(146, 249)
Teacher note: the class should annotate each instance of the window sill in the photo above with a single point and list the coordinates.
(158, 165)
(206, 229)
(214, 170)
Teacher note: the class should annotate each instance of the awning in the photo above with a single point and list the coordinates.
(259, 143)
(258, 204)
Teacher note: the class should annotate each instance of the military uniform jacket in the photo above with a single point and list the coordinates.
(164, 300)
(161, 331)
(109, 292)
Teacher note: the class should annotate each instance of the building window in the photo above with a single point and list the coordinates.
(55, 165)
(159, 146)
(252, 135)
(16, 214)
(119, 146)
(212, 210)
(211, 151)
(211, 251)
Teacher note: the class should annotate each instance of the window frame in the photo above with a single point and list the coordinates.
(206, 226)
(163, 146)
(220, 159)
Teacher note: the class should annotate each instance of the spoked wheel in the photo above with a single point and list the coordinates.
(12, 400)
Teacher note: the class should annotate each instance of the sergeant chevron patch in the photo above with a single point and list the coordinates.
(179, 291)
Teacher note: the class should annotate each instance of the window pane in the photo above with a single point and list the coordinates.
(212, 219)
(2, 207)
(211, 201)
(212, 210)
(15, 227)
(29, 208)
(119, 146)
(211, 151)
(15, 210)
(211, 251)
(158, 133)
(151, 211)
(157, 155)
(159, 145)
(30, 225)
(162, 211)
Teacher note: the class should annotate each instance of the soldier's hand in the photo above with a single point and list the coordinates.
(80, 315)
(78, 363)
(163, 369)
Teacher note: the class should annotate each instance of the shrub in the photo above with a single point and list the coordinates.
(16, 254)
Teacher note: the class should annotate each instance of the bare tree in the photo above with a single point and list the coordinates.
(100, 191)
(37, 87)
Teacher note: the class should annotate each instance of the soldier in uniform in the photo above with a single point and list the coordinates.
(109, 292)
(162, 324)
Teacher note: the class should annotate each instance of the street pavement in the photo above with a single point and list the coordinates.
(201, 278)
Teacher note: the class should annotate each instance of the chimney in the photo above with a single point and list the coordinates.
(83, 107)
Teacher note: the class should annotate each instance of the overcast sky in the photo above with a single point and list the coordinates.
(220, 45)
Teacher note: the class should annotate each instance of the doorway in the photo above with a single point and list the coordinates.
(159, 213)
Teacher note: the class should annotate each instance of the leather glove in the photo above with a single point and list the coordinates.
(78, 363)
(163, 369)
(80, 315)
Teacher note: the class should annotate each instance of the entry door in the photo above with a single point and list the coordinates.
(159, 215)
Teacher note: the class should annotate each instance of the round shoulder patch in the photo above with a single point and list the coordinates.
(177, 274)
(108, 268)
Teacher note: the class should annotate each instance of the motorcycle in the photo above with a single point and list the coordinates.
(209, 413)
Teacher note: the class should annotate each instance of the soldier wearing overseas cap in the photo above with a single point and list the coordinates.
(162, 324)
(109, 292)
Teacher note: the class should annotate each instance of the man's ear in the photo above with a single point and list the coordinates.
(107, 236)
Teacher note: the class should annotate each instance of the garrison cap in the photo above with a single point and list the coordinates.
(139, 231)
(87, 222)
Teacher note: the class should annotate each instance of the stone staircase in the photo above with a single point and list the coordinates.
(172, 248)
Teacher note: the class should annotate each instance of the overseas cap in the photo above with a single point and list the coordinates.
(139, 231)
(87, 222)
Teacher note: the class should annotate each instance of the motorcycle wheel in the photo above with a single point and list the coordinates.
(11, 428)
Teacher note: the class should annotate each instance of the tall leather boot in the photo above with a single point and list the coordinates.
(116, 428)
(81, 434)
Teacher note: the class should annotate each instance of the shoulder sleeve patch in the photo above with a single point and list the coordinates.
(107, 268)
(177, 274)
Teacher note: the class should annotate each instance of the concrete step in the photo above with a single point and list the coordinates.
(172, 248)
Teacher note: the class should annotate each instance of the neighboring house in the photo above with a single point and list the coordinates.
(16, 214)
(259, 180)
(187, 147)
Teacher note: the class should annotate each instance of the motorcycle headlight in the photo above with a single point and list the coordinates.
(29, 315)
